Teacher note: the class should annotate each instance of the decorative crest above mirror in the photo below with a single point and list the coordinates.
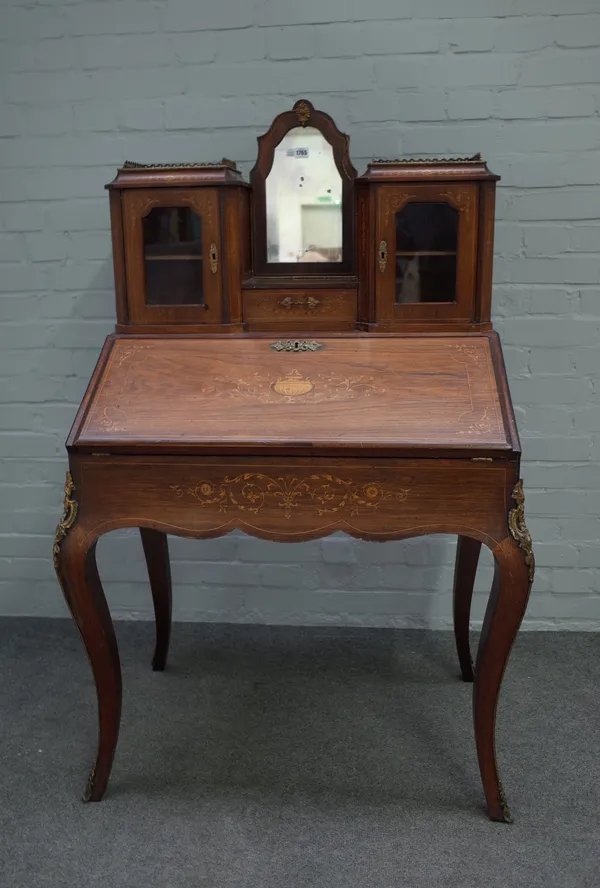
(303, 198)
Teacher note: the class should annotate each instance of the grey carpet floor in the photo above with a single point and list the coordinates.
(284, 757)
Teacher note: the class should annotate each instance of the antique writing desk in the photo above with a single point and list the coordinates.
(336, 376)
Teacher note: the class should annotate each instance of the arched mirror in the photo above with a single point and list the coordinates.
(303, 197)
(304, 200)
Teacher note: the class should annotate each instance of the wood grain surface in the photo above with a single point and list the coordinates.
(357, 392)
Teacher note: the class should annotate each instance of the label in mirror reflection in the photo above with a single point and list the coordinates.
(304, 200)
(173, 256)
(426, 249)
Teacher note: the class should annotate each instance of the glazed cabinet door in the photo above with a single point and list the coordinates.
(173, 255)
(426, 252)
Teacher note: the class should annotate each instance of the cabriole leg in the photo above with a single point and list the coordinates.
(156, 552)
(513, 577)
(75, 563)
(467, 556)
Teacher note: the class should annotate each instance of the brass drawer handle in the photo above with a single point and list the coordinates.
(382, 256)
(311, 302)
(213, 258)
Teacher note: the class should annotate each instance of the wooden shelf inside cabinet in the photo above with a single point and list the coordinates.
(174, 257)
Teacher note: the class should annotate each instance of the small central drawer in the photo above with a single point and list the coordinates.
(335, 309)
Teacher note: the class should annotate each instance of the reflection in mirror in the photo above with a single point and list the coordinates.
(304, 200)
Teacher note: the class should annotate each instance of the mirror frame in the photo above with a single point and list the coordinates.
(302, 114)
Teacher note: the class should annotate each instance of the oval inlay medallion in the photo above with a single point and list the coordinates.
(292, 385)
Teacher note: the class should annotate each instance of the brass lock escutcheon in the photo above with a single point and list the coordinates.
(296, 345)
(382, 256)
(288, 302)
(213, 258)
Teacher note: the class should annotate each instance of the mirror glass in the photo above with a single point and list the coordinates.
(304, 200)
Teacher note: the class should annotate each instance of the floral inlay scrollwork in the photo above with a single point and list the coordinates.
(252, 491)
(481, 426)
(128, 352)
(327, 304)
(395, 202)
(113, 419)
(462, 199)
(469, 351)
(294, 387)
(482, 423)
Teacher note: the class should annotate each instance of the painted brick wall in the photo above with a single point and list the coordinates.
(87, 84)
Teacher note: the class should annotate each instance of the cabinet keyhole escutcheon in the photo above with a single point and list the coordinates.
(213, 258)
(382, 256)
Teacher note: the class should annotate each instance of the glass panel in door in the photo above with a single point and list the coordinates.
(426, 253)
(173, 256)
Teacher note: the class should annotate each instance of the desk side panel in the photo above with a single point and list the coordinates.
(506, 405)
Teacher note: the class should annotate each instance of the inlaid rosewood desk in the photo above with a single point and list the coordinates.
(381, 436)
(388, 417)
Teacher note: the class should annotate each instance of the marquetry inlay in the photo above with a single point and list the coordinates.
(321, 493)
(294, 387)
(422, 389)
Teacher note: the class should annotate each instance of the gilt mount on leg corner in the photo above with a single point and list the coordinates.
(68, 518)
(519, 530)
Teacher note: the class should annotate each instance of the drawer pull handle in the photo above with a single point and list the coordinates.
(311, 302)
(382, 256)
(213, 258)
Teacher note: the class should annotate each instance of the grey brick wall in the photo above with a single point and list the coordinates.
(86, 84)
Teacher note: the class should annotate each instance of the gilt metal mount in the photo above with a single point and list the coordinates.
(302, 110)
(419, 161)
(213, 258)
(218, 164)
(297, 345)
(67, 520)
(519, 531)
(288, 302)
